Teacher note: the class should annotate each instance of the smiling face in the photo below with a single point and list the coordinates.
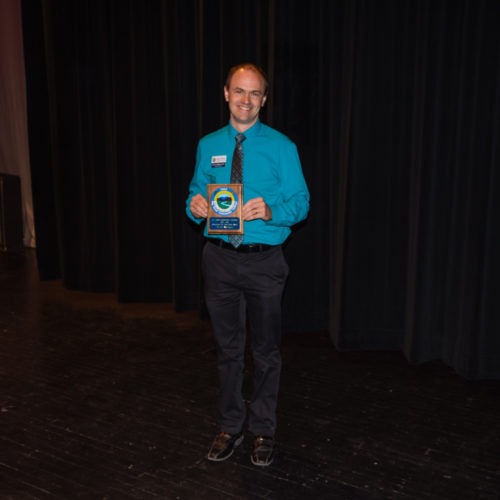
(245, 97)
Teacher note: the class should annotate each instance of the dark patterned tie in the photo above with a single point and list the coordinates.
(237, 178)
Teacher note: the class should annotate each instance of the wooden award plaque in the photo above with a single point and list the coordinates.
(225, 208)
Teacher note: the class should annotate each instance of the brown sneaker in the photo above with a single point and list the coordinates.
(263, 451)
(223, 446)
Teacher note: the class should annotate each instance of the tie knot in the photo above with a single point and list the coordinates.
(240, 138)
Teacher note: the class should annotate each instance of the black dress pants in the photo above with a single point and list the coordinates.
(237, 284)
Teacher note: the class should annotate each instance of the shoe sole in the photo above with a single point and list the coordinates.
(262, 464)
(236, 443)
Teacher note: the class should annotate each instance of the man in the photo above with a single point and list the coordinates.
(248, 275)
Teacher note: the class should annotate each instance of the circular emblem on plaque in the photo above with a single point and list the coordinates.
(224, 201)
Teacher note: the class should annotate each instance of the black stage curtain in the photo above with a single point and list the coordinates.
(394, 106)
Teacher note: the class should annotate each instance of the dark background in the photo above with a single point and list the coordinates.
(395, 109)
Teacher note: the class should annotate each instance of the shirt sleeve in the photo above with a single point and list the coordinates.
(292, 204)
(198, 185)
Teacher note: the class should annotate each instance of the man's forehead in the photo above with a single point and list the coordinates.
(244, 77)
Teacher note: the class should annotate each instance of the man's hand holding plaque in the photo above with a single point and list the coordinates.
(257, 208)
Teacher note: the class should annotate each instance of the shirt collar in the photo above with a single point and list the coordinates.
(251, 132)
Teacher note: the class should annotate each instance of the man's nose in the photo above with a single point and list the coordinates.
(246, 96)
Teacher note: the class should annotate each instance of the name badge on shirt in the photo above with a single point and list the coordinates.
(219, 161)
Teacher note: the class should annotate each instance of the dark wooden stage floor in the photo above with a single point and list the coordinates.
(100, 400)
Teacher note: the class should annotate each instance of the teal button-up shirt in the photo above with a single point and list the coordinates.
(271, 170)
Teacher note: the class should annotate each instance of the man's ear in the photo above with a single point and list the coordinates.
(264, 99)
(226, 93)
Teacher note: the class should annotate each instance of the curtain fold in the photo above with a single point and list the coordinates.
(394, 107)
(14, 155)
